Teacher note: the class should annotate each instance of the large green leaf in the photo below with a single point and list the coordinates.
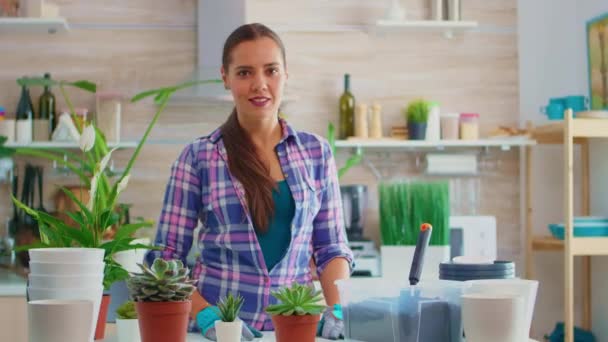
(127, 230)
(87, 213)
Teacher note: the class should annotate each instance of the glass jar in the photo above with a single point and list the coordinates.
(449, 126)
(469, 126)
(108, 115)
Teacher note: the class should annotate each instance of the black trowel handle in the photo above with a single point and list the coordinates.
(423, 241)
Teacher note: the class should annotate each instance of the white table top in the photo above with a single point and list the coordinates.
(268, 336)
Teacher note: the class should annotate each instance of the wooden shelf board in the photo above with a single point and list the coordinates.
(547, 243)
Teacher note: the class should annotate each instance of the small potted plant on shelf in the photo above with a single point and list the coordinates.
(417, 114)
(162, 298)
(297, 314)
(127, 326)
(229, 327)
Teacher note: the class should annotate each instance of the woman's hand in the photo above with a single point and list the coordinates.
(331, 325)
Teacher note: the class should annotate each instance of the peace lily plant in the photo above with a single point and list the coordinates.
(99, 214)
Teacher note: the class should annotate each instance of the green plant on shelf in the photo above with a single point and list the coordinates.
(417, 111)
(100, 214)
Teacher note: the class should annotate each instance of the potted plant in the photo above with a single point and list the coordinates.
(98, 216)
(417, 114)
(229, 327)
(162, 298)
(127, 327)
(297, 314)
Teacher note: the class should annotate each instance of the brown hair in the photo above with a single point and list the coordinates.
(243, 161)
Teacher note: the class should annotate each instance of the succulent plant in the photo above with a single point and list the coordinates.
(229, 307)
(296, 300)
(164, 281)
(418, 111)
(127, 310)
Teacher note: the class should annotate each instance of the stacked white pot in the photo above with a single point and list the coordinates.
(67, 273)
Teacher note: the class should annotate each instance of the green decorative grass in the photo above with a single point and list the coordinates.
(405, 206)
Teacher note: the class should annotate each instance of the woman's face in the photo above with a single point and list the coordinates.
(256, 77)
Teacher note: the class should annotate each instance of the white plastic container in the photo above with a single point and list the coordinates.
(493, 317)
(60, 320)
(433, 128)
(7, 129)
(469, 126)
(50, 268)
(385, 310)
(24, 131)
(108, 116)
(67, 255)
(58, 281)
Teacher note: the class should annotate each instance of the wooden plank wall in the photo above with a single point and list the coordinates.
(140, 44)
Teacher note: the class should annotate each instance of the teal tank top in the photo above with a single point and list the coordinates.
(275, 241)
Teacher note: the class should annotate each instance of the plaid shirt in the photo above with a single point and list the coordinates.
(202, 188)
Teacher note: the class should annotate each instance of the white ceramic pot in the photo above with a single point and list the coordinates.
(127, 330)
(60, 320)
(496, 318)
(63, 281)
(67, 255)
(523, 287)
(228, 331)
(93, 294)
(49, 268)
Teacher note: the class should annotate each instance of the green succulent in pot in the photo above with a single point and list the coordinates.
(229, 307)
(297, 314)
(296, 300)
(164, 281)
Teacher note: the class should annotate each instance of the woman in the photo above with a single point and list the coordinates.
(267, 197)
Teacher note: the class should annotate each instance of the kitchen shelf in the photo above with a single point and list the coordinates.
(504, 144)
(447, 26)
(568, 132)
(581, 130)
(68, 145)
(49, 25)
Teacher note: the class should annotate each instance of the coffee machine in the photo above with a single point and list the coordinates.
(354, 205)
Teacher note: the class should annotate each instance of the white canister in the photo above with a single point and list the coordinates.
(433, 130)
(361, 130)
(375, 128)
(229, 331)
(23, 131)
(7, 129)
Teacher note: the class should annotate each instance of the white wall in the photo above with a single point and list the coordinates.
(552, 57)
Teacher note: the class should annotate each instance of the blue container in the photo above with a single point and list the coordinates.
(584, 226)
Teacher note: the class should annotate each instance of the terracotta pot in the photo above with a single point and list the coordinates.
(100, 329)
(163, 321)
(295, 328)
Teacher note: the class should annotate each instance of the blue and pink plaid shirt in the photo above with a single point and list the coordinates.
(202, 189)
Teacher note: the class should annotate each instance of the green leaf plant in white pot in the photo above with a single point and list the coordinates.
(229, 327)
(127, 327)
(75, 250)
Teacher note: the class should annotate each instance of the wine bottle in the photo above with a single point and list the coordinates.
(347, 110)
(46, 106)
(24, 115)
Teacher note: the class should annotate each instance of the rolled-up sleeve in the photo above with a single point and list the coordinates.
(329, 236)
(179, 214)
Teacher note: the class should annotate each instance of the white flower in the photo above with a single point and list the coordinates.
(123, 183)
(87, 139)
(92, 192)
(104, 161)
